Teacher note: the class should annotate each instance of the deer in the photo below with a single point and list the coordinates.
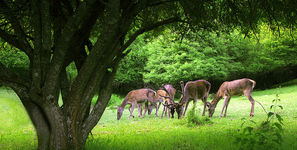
(135, 97)
(193, 90)
(229, 88)
(166, 96)
(159, 97)
(169, 102)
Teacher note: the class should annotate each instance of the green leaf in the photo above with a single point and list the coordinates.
(279, 118)
(279, 126)
(249, 129)
(270, 114)
(253, 121)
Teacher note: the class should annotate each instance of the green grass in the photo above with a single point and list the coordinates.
(16, 131)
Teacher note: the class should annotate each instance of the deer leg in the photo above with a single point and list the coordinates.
(164, 109)
(139, 109)
(228, 100)
(130, 107)
(145, 108)
(157, 109)
(224, 105)
(186, 108)
(204, 107)
(248, 95)
(150, 109)
(131, 110)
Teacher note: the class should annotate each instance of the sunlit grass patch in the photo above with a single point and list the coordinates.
(17, 132)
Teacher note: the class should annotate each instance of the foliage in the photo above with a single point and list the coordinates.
(115, 100)
(14, 59)
(266, 135)
(130, 72)
(214, 56)
(206, 56)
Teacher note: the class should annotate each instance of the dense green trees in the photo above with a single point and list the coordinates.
(209, 55)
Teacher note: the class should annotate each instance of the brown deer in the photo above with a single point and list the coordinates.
(168, 102)
(159, 97)
(165, 96)
(135, 97)
(193, 90)
(229, 88)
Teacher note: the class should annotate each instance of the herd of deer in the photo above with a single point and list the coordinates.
(193, 90)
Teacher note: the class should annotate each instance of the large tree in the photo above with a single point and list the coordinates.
(55, 33)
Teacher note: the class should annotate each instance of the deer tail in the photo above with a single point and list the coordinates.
(208, 86)
(151, 91)
(254, 82)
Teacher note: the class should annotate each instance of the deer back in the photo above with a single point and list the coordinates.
(237, 87)
(140, 95)
(161, 96)
(171, 90)
(196, 89)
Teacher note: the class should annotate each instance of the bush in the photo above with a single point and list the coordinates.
(266, 135)
(194, 118)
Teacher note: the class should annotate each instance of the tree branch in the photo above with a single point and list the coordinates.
(11, 39)
(157, 3)
(17, 29)
(64, 43)
(146, 29)
(105, 91)
(8, 78)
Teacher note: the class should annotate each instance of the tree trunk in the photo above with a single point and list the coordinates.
(40, 123)
(53, 133)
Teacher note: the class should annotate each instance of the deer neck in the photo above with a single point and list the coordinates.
(124, 103)
(216, 99)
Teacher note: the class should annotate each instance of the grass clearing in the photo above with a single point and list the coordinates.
(17, 132)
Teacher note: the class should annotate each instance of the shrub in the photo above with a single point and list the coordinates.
(194, 118)
(266, 135)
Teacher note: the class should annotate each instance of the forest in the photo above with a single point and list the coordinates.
(68, 68)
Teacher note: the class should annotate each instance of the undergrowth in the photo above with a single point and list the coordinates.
(267, 134)
(194, 118)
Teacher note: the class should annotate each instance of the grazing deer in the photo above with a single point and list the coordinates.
(135, 97)
(166, 97)
(169, 101)
(229, 88)
(159, 97)
(193, 90)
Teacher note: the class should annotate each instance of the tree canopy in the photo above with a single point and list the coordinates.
(95, 35)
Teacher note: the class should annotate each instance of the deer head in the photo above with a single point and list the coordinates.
(179, 109)
(171, 107)
(119, 112)
(211, 109)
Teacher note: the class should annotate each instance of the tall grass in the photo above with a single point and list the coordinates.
(17, 132)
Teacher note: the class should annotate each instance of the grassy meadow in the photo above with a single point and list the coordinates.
(17, 132)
